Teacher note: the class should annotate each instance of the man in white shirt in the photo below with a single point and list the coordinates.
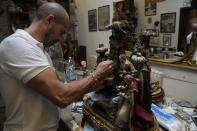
(189, 37)
(28, 84)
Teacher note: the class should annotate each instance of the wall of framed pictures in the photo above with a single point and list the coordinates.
(92, 39)
(167, 13)
(103, 18)
(96, 37)
(88, 34)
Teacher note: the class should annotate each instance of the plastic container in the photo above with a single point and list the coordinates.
(70, 70)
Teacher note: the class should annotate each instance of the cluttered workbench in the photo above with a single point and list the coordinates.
(135, 101)
(172, 115)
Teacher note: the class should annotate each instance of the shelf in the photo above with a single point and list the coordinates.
(181, 65)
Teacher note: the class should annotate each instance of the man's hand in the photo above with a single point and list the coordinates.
(108, 81)
(104, 70)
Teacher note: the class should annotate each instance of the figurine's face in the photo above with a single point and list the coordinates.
(122, 59)
(128, 79)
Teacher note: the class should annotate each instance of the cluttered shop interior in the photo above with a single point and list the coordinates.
(98, 65)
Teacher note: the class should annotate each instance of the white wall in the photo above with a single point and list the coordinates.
(92, 39)
(167, 6)
(178, 82)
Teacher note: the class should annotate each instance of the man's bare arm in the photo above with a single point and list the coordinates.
(48, 85)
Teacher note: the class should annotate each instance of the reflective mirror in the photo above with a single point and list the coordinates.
(166, 31)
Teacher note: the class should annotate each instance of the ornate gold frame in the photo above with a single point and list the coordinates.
(101, 123)
(97, 120)
(185, 59)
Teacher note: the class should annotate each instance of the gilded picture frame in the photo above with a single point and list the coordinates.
(103, 17)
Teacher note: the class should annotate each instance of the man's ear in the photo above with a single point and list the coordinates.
(50, 19)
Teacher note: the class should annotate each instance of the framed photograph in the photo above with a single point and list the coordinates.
(119, 11)
(118, 6)
(168, 23)
(150, 8)
(167, 39)
(103, 17)
(92, 20)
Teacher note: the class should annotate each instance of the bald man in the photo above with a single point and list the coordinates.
(194, 29)
(28, 84)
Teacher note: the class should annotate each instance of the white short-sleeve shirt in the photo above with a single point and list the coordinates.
(21, 59)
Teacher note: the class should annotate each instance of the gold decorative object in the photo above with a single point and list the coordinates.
(154, 1)
(97, 120)
(101, 123)
(126, 104)
(186, 58)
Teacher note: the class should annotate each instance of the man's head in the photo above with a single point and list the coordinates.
(54, 20)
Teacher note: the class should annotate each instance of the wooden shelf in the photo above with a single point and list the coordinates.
(181, 65)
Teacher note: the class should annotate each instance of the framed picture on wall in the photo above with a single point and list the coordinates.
(103, 17)
(119, 6)
(168, 23)
(167, 39)
(119, 10)
(92, 20)
(150, 8)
